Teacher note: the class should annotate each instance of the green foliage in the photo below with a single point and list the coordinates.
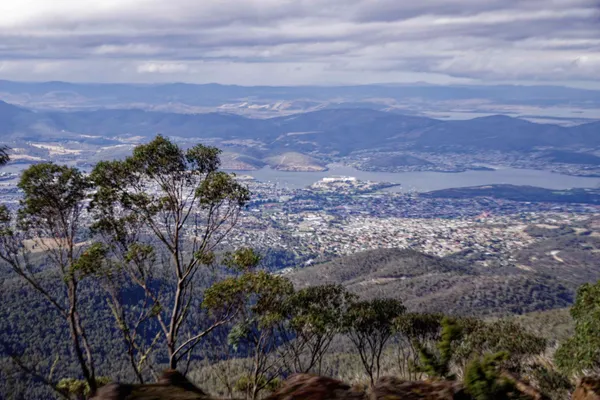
(500, 336)
(144, 209)
(238, 333)
(257, 299)
(51, 194)
(90, 261)
(220, 187)
(245, 384)
(78, 388)
(242, 260)
(582, 351)
(140, 253)
(373, 318)
(413, 332)
(157, 158)
(6, 219)
(314, 316)
(51, 218)
(319, 309)
(164, 163)
(483, 379)
(438, 364)
(419, 326)
(257, 296)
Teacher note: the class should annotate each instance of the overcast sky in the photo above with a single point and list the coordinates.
(293, 42)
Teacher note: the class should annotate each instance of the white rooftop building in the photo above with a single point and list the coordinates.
(331, 179)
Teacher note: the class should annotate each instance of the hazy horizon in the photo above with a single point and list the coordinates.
(324, 85)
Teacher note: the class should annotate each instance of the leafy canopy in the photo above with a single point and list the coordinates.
(52, 192)
(258, 296)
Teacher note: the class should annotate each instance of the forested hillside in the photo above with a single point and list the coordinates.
(430, 284)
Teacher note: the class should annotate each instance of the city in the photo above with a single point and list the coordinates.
(342, 215)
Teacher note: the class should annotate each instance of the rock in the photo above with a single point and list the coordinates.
(174, 386)
(171, 377)
(171, 386)
(392, 388)
(312, 387)
(587, 389)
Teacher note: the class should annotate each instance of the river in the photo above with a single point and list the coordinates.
(426, 181)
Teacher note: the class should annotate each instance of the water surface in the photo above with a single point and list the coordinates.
(426, 181)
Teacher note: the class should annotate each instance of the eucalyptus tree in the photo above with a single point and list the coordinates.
(167, 203)
(258, 300)
(480, 337)
(415, 331)
(314, 317)
(50, 223)
(370, 326)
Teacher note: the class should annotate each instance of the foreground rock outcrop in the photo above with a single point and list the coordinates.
(587, 389)
(392, 388)
(174, 386)
(309, 387)
(171, 386)
(304, 386)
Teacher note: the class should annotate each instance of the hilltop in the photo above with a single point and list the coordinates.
(520, 193)
(433, 284)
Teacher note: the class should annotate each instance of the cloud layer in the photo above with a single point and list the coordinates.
(301, 41)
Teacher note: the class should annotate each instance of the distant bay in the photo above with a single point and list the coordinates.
(427, 181)
(410, 181)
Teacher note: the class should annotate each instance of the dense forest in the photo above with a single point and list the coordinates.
(119, 274)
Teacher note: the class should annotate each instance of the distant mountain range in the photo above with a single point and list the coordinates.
(216, 94)
(505, 133)
(543, 104)
(325, 132)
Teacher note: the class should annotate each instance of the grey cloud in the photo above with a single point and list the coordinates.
(388, 10)
(493, 39)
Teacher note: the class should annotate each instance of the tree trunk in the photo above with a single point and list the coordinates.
(74, 327)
